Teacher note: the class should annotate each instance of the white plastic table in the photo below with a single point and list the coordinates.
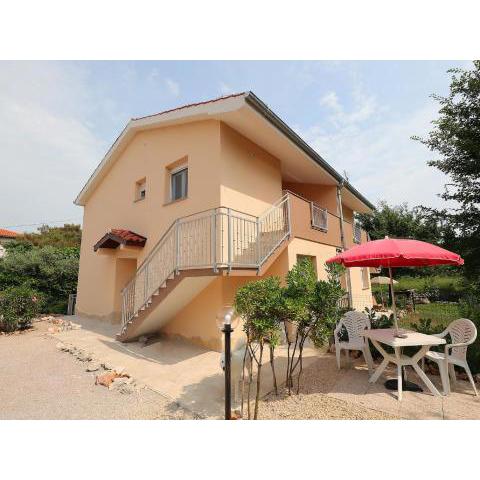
(387, 336)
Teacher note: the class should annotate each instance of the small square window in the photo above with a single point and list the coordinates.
(140, 189)
(179, 184)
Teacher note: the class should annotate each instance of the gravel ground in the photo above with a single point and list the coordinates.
(312, 401)
(37, 381)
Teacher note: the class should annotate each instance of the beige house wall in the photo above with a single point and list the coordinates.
(361, 297)
(251, 178)
(113, 205)
(321, 253)
(323, 195)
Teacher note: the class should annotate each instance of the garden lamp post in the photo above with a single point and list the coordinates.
(226, 324)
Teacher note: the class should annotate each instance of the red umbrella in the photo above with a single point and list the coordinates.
(394, 252)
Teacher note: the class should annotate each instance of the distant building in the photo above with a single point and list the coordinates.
(5, 237)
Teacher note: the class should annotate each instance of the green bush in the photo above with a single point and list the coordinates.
(18, 306)
(51, 271)
(325, 307)
(260, 303)
(470, 308)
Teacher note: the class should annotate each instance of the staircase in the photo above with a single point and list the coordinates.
(204, 243)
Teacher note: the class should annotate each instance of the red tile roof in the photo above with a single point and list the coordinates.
(129, 236)
(119, 236)
(193, 105)
(7, 233)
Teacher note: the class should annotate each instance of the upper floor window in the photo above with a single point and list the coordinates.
(179, 183)
(140, 189)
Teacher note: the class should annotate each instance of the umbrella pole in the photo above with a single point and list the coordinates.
(394, 307)
(393, 384)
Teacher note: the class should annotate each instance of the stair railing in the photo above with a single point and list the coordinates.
(216, 238)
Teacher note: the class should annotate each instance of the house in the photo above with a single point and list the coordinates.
(191, 203)
(5, 237)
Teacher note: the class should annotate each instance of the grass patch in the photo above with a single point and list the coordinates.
(436, 287)
(422, 284)
(441, 314)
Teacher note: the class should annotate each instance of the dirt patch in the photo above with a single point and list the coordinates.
(40, 381)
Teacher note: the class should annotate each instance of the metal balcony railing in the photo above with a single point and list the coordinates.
(217, 238)
(357, 232)
(319, 217)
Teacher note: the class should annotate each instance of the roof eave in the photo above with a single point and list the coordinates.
(259, 106)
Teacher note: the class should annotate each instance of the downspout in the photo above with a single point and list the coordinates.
(342, 239)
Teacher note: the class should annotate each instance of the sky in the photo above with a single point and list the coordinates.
(58, 119)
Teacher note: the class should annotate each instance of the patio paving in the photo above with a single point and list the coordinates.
(191, 376)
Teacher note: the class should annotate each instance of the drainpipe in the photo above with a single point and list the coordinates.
(342, 239)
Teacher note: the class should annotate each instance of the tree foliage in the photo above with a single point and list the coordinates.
(18, 306)
(261, 305)
(401, 221)
(455, 138)
(48, 270)
(325, 305)
(312, 307)
(68, 236)
(420, 223)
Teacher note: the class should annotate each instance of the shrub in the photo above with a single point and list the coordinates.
(261, 306)
(470, 308)
(324, 304)
(18, 306)
(49, 270)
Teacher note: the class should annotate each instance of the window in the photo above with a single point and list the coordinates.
(140, 189)
(179, 184)
(365, 278)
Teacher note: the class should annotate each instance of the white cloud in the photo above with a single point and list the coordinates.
(380, 158)
(225, 89)
(47, 149)
(364, 107)
(173, 87)
(330, 100)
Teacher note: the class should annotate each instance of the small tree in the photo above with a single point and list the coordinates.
(261, 305)
(18, 306)
(313, 306)
(300, 288)
(325, 305)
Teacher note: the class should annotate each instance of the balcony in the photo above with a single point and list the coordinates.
(315, 223)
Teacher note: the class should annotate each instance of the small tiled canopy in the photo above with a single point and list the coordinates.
(117, 237)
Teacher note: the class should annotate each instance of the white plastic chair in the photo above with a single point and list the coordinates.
(354, 323)
(463, 333)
